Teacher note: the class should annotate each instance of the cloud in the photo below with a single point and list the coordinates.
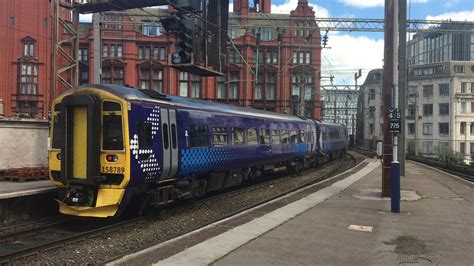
(350, 53)
(363, 3)
(456, 16)
(290, 5)
(374, 3)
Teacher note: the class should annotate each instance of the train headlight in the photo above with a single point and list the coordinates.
(58, 156)
(111, 158)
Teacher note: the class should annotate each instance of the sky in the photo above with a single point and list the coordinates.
(350, 51)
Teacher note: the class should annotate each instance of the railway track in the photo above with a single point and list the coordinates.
(23, 246)
(32, 241)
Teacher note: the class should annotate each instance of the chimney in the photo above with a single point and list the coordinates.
(266, 6)
(241, 7)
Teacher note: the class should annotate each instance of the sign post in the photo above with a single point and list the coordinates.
(395, 128)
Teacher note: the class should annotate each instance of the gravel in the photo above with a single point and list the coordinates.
(164, 224)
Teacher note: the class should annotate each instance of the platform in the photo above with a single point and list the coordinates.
(346, 222)
(22, 201)
(15, 189)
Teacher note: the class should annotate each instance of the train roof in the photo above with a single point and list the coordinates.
(135, 94)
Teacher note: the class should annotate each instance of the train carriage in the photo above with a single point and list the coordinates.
(113, 146)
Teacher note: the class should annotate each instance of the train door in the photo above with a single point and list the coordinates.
(170, 143)
(80, 145)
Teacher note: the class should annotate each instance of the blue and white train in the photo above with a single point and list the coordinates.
(114, 147)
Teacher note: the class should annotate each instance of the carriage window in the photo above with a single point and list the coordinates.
(173, 135)
(57, 131)
(111, 106)
(276, 137)
(238, 136)
(284, 136)
(293, 136)
(112, 138)
(144, 135)
(196, 136)
(252, 136)
(301, 137)
(219, 136)
(264, 136)
(166, 141)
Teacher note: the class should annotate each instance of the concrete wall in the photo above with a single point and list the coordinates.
(23, 143)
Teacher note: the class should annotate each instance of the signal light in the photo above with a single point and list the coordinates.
(111, 158)
(185, 42)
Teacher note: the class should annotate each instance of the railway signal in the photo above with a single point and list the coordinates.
(185, 42)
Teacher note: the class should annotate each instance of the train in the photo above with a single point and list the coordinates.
(115, 148)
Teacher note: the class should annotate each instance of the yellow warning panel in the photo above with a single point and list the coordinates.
(79, 142)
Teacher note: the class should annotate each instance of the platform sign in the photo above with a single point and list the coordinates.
(394, 118)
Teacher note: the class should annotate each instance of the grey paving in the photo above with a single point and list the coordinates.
(16, 189)
(437, 228)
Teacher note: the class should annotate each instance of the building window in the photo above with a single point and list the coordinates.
(260, 56)
(427, 109)
(113, 75)
(151, 30)
(234, 85)
(427, 90)
(195, 86)
(371, 129)
(463, 87)
(220, 86)
(295, 86)
(472, 107)
(472, 130)
(463, 107)
(272, 57)
(462, 128)
(301, 57)
(443, 89)
(371, 94)
(443, 108)
(144, 52)
(427, 147)
(443, 128)
(28, 79)
(372, 111)
(29, 49)
(159, 53)
(411, 111)
(411, 128)
(84, 76)
(462, 148)
(112, 51)
(83, 54)
(472, 87)
(183, 84)
(116, 21)
(234, 55)
(151, 78)
(427, 129)
(259, 87)
(270, 86)
(459, 69)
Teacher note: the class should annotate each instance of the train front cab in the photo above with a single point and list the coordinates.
(88, 157)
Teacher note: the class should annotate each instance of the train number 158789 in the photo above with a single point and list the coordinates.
(113, 170)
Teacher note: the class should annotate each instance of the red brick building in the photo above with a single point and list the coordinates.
(267, 74)
(25, 55)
